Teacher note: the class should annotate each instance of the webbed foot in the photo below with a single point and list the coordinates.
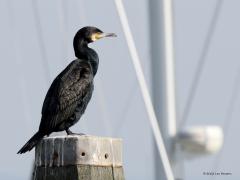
(71, 133)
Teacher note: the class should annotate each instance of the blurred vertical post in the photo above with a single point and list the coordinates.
(163, 77)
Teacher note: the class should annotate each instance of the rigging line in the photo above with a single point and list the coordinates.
(18, 60)
(63, 23)
(99, 84)
(201, 63)
(103, 107)
(127, 106)
(144, 89)
(82, 11)
(229, 116)
(43, 54)
(100, 93)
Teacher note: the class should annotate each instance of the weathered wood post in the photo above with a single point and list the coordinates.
(78, 158)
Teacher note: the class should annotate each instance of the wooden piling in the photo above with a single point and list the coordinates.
(78, 158)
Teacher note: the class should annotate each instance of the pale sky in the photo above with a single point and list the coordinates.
(33, 54)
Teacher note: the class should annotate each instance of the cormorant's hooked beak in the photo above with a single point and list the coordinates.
(97, 36)
(107, 35)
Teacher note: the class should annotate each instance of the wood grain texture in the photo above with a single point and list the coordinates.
(78, 172)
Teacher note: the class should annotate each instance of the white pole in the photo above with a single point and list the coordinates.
(163, 75)
(144, 90)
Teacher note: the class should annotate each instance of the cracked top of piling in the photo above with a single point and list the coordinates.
(79, 150)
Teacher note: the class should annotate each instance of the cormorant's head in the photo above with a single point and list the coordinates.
(90, 34)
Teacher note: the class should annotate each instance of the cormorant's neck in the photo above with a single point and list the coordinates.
(82, 51)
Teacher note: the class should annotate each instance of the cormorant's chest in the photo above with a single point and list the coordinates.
(82, 103)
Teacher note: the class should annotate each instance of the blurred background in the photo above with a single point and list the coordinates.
(36, 44)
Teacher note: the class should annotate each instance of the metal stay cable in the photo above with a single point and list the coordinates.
(201, 63)
(144, 90)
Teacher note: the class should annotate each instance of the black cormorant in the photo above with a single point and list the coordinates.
(70, 92)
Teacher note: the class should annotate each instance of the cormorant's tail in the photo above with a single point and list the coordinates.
(31, 143)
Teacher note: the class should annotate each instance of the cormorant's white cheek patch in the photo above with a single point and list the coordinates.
(96, 36)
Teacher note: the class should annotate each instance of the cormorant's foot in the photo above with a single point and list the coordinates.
(47, 135)
(71, 133)
(77, 134)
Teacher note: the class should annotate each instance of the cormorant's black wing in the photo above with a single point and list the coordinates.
(69, 87)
